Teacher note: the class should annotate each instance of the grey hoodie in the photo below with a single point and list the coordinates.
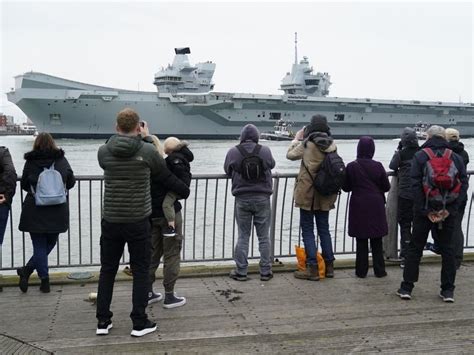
(241, 187)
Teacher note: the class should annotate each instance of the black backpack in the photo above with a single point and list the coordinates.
(251, 167)
(330, 175)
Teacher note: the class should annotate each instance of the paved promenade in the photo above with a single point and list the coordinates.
(285, 315)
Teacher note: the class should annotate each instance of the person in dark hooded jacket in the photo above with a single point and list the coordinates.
(429, 215)
(44, 223)
(252, 204)
(7, 188)
(401, 164)
(367, 180)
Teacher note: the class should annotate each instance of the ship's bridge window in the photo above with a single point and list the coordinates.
(275, 115)
(311, 82)
(339, 117)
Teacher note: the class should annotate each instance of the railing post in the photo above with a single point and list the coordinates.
(273, 215)
(390, 242)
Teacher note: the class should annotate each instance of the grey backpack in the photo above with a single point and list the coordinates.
(50, 189)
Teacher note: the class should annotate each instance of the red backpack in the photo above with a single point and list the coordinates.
(441, 182)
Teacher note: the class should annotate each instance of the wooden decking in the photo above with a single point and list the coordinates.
(285, 315)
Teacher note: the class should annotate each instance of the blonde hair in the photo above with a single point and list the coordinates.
(452, 134)
(127, 120)
(157, 144)
(170, 144)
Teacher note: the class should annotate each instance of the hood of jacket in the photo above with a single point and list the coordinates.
(409, 138)
(321, 139)
(365, 148)
(44, 154)
(249, 133)
(456, 146)
(124, 146)
(183, 150)
(435, 142)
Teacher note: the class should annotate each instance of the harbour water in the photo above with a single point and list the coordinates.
(209, 155)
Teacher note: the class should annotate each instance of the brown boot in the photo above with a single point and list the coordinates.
(329, 269)
(311, 273)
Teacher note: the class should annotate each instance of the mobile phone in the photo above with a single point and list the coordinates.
(142, 123)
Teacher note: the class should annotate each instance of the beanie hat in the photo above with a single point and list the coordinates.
(318, 123)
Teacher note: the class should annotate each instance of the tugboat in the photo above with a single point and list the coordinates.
(420, 130)
(281, 132)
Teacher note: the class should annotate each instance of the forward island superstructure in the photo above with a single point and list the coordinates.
(186, 106)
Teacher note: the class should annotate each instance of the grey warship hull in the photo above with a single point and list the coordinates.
(68, 108)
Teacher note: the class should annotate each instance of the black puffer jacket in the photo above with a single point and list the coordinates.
(44, 219)
(458, 148)
(437, 144)
(401, 164)
(178, 163)
(7, 175)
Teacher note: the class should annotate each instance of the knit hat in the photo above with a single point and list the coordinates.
(249, 133)
(452, 134)
(318, 123)
(408, 137)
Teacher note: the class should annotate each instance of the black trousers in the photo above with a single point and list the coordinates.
(405, 220)
(112, 242)
(362, 256)
(458, 236)
(421, 228)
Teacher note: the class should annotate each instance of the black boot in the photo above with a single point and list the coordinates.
(24, 273)
(329, 269)
(45, 285)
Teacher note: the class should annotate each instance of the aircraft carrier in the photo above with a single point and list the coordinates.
(186, 106)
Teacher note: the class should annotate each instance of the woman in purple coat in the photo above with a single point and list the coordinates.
(368, 182)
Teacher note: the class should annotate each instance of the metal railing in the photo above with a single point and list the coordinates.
(209, 226)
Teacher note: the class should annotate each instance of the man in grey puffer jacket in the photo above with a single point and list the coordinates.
(252, 202)
(128, 165)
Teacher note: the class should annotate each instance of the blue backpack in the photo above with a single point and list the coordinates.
(50, 189)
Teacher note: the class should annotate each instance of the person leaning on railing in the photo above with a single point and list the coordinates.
(44, 223)
(7, 190)
(310, 146)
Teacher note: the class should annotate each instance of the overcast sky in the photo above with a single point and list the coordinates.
(393, 50)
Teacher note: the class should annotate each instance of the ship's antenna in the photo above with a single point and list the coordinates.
(296, 47)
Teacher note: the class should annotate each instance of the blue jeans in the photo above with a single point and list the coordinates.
(4, 212)
(43, 243)
(258, 210)
(309, 240)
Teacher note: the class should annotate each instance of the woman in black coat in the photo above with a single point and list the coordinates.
(368, 181)
(44, 223)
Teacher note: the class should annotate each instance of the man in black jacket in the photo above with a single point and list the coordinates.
(427, 216)
(401, 164)
(452, 135)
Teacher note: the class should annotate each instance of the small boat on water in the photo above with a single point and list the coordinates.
(420, 130)
(281, 132)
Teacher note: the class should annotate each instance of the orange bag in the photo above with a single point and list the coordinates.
(301, 257)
